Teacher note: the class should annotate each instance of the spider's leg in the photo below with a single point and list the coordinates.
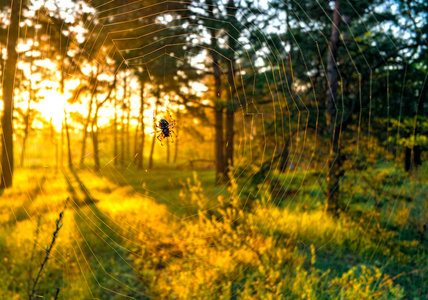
(171, 120)
(160, 138)
(173, 132)
(154, 120)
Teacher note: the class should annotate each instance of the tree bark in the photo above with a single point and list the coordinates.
(140, 153)
(61, 157)
(122, 127)
(218, 113)
(128, 120)
(136, 135)
(67, 132)
(88, 121)
(407, 159)
(122, 137)
(230, 112)
(284, 156)
(151, 151)
(230, 119)
(94, 129)
(85, 133)
(335, 160)
(154, 134)
(417, 150)
(97, 165)
(176, 141)
(128, 138)
(219, 143)
(27, 120)
(8, 87)
(115, 148)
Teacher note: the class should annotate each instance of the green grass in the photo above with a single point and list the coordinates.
(165, 234)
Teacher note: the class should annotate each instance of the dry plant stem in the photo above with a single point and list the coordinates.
(30, 271)
(57, 294)
(48, 251)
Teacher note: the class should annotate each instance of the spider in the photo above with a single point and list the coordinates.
(165, 128)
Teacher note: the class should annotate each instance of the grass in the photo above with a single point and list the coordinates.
(168, 233)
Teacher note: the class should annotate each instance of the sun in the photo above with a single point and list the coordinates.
(52, 108)
(53, 104)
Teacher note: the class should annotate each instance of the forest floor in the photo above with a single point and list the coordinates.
(165, 234)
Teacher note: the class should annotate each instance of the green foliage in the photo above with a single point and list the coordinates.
(222, 246)
(409, 132)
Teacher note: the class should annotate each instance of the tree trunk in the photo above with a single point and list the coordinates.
(27, 115)
(140, 154)
(26, 129)
(407, 159)
(95, 128)
(230, 113)
(97, 165)
(136, 135)
(67, 132)
(61, 157)
(151, 151)
(62, 86)
(115, 148)
(122, 128)
(24, 139)
(85, 128)
(230, 117)
(8, 86)
(122, 137)
(218, 113)
(219, 144)
(176, 141)
(284, 156)
(417, 150)
(335, 160)
(128, 138)
(154, 134)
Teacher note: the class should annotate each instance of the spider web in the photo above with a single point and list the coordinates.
(106, 233)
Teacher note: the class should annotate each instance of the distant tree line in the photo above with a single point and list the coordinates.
(348, 74)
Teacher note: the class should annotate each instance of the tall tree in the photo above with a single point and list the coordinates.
(335, 160)
(115, 142)
(230, 108)
(124, 109)
(178, 132)
(152, 148)
(140, 140)
(67, 133)
(94, 127)
(8, 94)
(218, 104)
(92, 86)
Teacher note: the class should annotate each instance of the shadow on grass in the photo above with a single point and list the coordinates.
(103, 249)
(81, 195)
(163, 185)
(23, 212)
